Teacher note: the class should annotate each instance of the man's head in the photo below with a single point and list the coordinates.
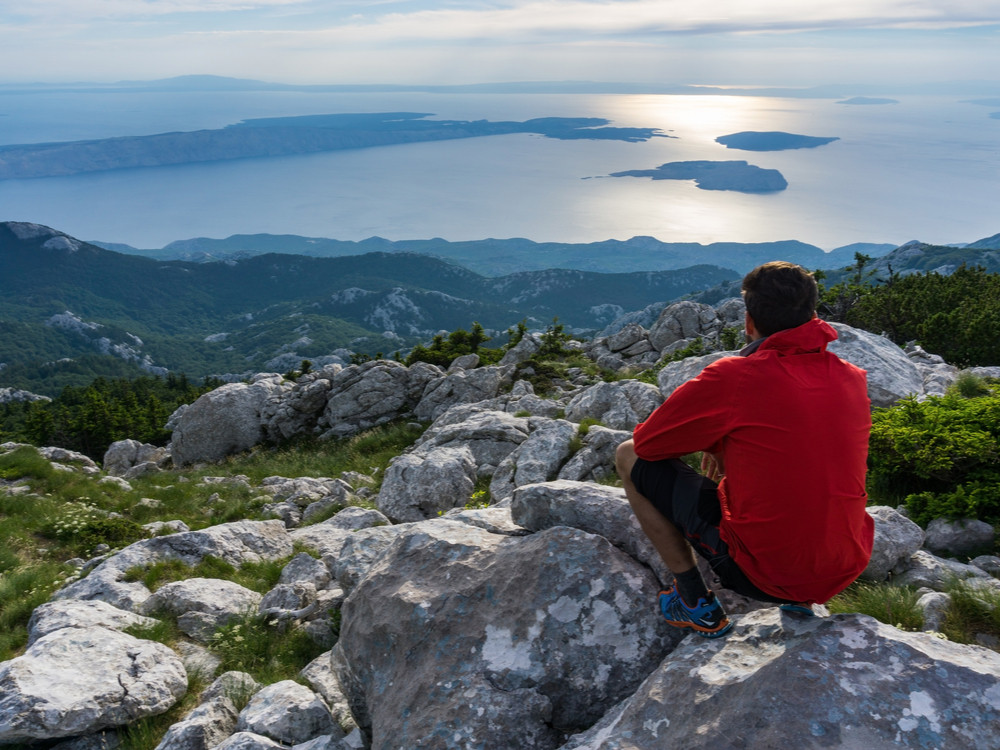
(779, 295)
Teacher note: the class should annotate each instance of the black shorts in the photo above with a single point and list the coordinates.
(690, 501)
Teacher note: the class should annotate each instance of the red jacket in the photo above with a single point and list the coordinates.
(791, 423)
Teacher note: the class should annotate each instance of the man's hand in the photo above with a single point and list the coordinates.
(711, 466)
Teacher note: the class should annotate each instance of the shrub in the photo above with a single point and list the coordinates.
(940, 456)
(893, 605)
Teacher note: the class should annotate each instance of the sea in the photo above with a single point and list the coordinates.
(924, 168)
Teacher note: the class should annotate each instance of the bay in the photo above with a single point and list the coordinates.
(926, 168)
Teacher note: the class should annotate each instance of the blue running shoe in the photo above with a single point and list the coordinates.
(707, 618)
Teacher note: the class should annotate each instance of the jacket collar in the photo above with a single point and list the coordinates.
(812, 336)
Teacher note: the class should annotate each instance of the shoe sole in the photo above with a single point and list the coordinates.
(797, 609)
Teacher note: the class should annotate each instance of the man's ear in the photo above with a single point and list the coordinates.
(750, 327)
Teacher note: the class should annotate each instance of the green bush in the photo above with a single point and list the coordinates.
(941, 457)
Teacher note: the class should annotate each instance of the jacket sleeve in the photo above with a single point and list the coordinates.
(696, 416)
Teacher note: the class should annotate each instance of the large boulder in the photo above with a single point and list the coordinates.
(296, 410)
(76, 681)
(891, 374)
(202, 605)
(682, 321)
(71, 613)
(494, 641)
(462, 387)
(223, 421)
(537, 459)
(123, 455)
(845, 681)
(370, 394)
(418, 486)
(896, 539)
(289, 713)
(963, 536)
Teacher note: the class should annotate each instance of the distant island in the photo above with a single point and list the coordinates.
(868, 100)
(752, 140)
(285, 136)
(738, 176)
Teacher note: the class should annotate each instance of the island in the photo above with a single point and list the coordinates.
(286, 136)
(738, 176)
(774, 140)
(868, 100)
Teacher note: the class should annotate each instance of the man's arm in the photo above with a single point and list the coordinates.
(695, 417)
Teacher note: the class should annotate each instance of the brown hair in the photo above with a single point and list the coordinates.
(779, 295)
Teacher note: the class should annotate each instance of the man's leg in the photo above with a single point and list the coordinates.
(666, 538)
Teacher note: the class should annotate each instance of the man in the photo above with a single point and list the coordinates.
(784, 430)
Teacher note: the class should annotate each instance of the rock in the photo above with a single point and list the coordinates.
(596, 458)
(522, 351)
(493, 641)
(296, 409)
(354, 518)
(123, 455)
(896, 539)
(304, 568)
(235, 543)
(488, 434)
(208, 725)
(462, 387)
(249, 741)
(496, 520)
(69, 613)
(424, 484)
(360, 551)
(322, 678)
(684, 320)
(630, 335)
(76, 681)
(116, 482)
(537, 459)
(217, 602)
(593, 508)
(844, 681)
(198, 660)
(924, 569)
(988, 563)
(223, 421)
(934, 606)
(891, 374)
(618, 405)
(676, 373)
(79, 461)
(465, 362)
(370, 394)
(289, 713)
(963, 537)
(160, 528)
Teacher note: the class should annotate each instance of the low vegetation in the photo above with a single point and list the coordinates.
(59, 515)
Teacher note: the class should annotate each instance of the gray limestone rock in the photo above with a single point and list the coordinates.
(123, 455)
(322, 678)
(891, 374)
(593, 508)
(934, 607)
(619, 405)
(537, 459)
(988, 563)
(223, 421)
(596, 459)
(360, 551)
(355, 517)
(75, 681)
(304, 568)
(208, 725)
(844, 681)
(896, 539)
(219, 601)
(925, 569)
(70, 613)
(249, 741)
(370, 394)
(676, 373)
(296, 408)
(289, 713)
(493, 641)
(965, 536)
(422, 484)
(630, 335)
(684, 320)
(236, 543)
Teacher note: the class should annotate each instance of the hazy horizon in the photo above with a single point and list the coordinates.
(768, 42)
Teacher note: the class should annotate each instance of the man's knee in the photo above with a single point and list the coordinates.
(625, 459)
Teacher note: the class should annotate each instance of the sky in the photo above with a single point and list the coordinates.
(721, 42)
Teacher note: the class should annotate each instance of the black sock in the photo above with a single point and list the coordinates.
(691, 586)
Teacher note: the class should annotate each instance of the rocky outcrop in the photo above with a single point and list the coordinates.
(507, 641)
(841, 681)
